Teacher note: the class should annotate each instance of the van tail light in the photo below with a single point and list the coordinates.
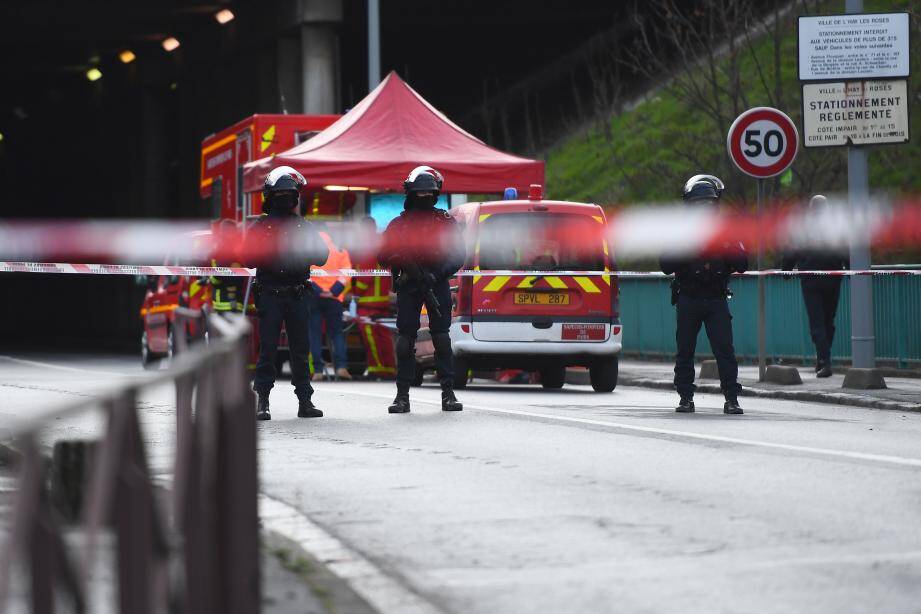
(615, 330)
(464, 296)
(465, 328)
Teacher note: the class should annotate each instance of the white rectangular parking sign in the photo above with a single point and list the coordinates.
(858, 113)
(859, 46)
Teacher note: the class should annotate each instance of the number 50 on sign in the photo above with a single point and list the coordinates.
(763, 142)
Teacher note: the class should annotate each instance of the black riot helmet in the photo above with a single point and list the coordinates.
(282, 189)
(703, 188)
(422, 180)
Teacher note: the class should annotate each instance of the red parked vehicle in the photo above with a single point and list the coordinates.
(165, 293)
(539, 322)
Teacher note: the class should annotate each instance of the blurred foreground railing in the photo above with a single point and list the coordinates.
(200, 556)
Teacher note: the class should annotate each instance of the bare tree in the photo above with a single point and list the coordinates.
(718, 58)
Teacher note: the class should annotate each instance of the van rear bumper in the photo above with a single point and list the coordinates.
(464, 344)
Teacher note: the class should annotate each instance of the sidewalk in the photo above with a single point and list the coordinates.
(903, 393)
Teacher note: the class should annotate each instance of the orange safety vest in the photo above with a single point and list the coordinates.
(338, 259)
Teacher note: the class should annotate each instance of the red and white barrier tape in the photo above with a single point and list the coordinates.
(632, 232)
(205, 271)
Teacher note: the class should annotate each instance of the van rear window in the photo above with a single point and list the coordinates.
(541, 242)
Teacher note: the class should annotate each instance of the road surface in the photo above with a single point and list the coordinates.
(572, 501)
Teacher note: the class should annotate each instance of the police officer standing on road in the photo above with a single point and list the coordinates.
(700, 291)
(423, 248)
(820, 293)
(281, 287)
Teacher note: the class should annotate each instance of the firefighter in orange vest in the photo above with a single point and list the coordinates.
(326, 306)
(227, 292)
(372, 294)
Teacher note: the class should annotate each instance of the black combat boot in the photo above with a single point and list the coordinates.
(685, 406)
(306, 408)
(262, 407)
(400, 404)
(449, 402)
(823, 369)
(732, 406)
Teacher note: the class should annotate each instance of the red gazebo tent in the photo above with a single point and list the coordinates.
(391, 131)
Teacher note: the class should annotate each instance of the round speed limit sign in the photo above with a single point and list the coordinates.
(763, 142)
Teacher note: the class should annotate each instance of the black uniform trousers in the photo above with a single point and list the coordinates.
(294, 311)
(409, 310)
(821, 298)
(714, 314)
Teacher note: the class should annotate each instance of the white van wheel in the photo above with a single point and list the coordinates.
(603, 374)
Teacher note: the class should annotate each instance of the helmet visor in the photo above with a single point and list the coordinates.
(284, 200)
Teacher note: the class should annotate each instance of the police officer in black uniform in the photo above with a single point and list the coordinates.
(421, 276)
(700, 292)
(820, 293)
(281, 287)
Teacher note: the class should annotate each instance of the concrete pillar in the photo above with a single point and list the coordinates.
(319, 21)
(320, 69)
(155, 170)
(290, 94)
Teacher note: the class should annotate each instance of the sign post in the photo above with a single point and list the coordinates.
(861, 61)
(762, 143)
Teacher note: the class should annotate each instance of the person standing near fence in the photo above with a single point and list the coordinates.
(421, 279)
(281, 287)
(326, 307)
(820, 292)
(700, 292)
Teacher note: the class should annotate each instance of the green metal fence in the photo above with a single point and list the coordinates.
(649, 320)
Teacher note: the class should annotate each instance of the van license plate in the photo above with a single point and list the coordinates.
(583, 332)
(541, 298)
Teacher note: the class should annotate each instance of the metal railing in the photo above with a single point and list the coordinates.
(199, 556)
(649, 320)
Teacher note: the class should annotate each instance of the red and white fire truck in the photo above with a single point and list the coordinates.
(223, 155)
(545, 321)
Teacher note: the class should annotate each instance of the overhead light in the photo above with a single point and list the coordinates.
(94, 74)
(357, 189)
(127, 56)
(336, 188)
(1, 137)
(224, 16)
(170, 44)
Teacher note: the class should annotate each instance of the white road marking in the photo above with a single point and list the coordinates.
(48, 365)
(381, 591)
(838, 559)
(880, 458)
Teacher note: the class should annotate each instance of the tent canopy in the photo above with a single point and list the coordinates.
(391, 131)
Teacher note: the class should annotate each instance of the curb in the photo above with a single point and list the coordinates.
(833, 398)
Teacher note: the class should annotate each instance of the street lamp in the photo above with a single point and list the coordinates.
(127, 56)
(224, 16)
(94, 74)
(170, 44)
